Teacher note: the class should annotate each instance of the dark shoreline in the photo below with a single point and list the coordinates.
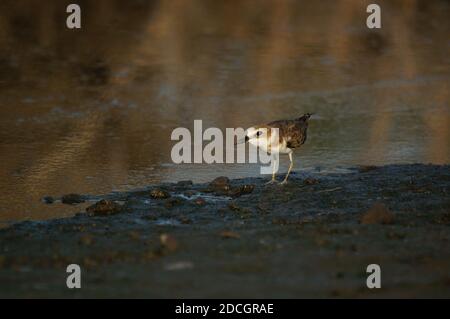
(242, 238)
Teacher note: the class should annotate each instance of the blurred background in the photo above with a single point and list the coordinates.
(91, 110)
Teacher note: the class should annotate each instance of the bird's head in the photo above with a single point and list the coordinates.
(305, 117)
(254, 133)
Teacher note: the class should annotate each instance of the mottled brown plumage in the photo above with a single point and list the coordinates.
(294, 132)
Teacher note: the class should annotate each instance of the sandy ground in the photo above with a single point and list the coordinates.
(313, 237)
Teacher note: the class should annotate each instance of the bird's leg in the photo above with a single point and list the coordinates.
(273, 180)
(289, 170)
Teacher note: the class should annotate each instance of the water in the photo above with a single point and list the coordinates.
(92, 110)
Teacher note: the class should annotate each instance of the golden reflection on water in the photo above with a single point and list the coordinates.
(92, 110)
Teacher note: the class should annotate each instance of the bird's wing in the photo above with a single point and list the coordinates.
(291, 131)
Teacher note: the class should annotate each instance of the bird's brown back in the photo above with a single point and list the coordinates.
(294, 132)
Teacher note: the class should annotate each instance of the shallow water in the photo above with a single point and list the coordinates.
(92, 110)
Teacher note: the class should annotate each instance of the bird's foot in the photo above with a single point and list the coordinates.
(273, 181)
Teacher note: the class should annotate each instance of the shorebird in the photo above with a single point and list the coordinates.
(291, 135)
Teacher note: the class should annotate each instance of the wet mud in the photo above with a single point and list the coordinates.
(313, 237)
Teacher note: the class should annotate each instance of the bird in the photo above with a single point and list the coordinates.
(291, 135)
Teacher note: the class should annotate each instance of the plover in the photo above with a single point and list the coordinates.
(291, 135)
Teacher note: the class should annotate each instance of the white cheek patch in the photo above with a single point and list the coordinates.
(266, 148)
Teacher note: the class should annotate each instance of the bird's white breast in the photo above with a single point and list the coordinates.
(264, 144)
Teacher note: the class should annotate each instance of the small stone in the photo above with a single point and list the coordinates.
(159, 194)
(443, 219)
(220, 184)
(185, 220)
(222, 180)
(104, 208)
(72, 199)
(86, 240)
(241, 190)
(168, 242)
(234, 207)
(377, 214)
(311, 181)
(199, 201)
(229, 234)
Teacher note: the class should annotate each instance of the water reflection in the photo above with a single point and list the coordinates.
(92, 110)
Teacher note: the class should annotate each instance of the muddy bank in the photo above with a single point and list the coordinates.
(313, 237)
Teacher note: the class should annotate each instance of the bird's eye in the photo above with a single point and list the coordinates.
(259, 133)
